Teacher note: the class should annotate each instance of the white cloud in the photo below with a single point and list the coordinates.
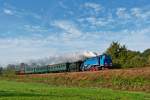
(136, 12)
(23, 13)
(23, 49)
(122, 13)
(70, 30)
(137, 39)
(63, 5)
(35, 28)
(142, 14)
(11, 10)
(99, 21)
(8, 11)
(95, 6)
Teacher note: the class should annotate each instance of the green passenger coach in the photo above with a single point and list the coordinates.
(41, 69)
(29, 70)
(58, 67)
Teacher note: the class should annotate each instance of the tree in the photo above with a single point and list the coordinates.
(122, 54)
(146, 53)
(148, 60)
(113, 50)
(124, 58)
(1, 70)
(131, 54)
(118, 54)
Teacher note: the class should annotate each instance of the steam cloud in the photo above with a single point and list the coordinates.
(63, 58)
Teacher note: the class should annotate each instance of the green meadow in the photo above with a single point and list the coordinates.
(10, 90)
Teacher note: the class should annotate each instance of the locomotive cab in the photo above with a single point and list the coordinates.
(105, 61)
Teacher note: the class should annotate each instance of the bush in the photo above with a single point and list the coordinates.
(1, 70)
(148, 60)
(136, 61)
(8, 73)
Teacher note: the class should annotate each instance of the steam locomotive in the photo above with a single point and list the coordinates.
(89, 64)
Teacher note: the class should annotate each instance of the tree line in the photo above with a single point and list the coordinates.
(125, 58)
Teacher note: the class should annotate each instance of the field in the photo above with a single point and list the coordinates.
(10, 90)
(116, 84)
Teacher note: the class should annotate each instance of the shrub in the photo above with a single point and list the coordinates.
(148, 60)
(1, 70)
(136, 61)
(8, 73)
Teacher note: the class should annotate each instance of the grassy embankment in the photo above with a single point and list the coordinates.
(10, 90)
(122, 79)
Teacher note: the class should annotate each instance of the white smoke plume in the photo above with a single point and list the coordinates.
(89, 54)
(71, 57)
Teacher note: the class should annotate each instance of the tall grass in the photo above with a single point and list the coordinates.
(129, 79)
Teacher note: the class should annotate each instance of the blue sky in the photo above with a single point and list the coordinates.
(32, 29)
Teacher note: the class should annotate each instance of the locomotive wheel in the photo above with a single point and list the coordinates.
(94, 68)
(91, 69)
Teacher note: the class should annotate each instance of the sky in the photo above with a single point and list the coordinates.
(33, 29)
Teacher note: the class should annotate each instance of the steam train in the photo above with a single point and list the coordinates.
(89, 64)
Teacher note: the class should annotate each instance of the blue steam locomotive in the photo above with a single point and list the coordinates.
(96, 63)
(90, 64)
